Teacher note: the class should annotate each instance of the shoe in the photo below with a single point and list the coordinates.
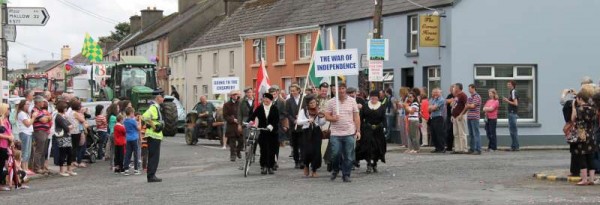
(137, 172)
(333, 176)
(224, 147)
(476, 153)
(597, 182)
(125, 173)
(154, 179)
(64, 174)
(435, 151)
(4, 188)
(346, 179)
(24, 187)
(263, 171)
(73, 173)
(239, 155)
(375, 169)
(270, 171)
(369, 169)
(515, 149)
(470, 152)
(329, 168)
(306, 172)
(232, 159)
(455, 152)
(275, 167)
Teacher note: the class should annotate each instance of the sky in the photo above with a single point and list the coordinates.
(68, 24)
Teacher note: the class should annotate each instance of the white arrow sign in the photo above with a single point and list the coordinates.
(28, 16)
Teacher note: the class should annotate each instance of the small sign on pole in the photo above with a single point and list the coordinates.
(10, 32)
(336, 62)
(378, 49)
(376, 71)
(225, 85)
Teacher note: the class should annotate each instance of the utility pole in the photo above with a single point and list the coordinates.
(377, 19)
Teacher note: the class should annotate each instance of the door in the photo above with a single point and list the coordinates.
(408, 77)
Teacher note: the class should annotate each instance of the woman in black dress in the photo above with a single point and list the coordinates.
(372, 146)
(311, 121)
(268, 117)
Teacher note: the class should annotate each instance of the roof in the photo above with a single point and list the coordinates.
(138, 36)
(242, 20)
(54, 65)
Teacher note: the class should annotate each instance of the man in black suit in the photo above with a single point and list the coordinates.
(292, 106)
(281, 134)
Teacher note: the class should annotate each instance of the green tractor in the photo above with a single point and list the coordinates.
(134, 78)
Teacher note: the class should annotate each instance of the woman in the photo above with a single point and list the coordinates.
(111, 114)
(25, 126)
(402, 125)
(268, 117)
(424, 103)
(6, 138)
(63, 140)
(412, 111)
(372, 147)
(124, 104)
(584, 116)
(491, 118)
(311, 121)
(76, 118)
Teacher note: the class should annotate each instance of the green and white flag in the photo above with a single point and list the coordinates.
(91, 50)
(316, 81)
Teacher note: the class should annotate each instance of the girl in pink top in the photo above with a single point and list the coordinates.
(491, 119)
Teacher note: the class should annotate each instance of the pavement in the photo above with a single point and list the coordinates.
(202, 174)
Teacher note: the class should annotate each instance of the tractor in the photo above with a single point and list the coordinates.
(38, 83)
(134, 78)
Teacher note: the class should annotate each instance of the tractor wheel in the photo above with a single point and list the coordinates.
(169, 114)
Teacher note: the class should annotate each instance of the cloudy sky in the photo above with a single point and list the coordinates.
(68, 24)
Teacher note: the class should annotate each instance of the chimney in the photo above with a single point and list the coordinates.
(135, 23)
(232, 5)
(186, 4)
(65, 52)
(150, 16)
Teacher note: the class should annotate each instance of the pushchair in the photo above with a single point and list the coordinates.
(92, 142)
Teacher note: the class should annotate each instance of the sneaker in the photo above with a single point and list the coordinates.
(125, 173)
(64, 174)
(73, 173)
(23, 187)
(137, 172)
(597, 181)
(346, 179)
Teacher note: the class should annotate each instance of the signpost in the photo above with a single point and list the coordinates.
(225, 85)
(10, 32)
(28, 16)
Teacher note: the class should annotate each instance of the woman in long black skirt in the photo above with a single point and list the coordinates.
(311, 121)
(372, 146)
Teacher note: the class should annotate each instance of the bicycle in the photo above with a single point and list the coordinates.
(250, 146)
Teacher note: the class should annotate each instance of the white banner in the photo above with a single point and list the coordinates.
(336, 62)
(376, 71)
(225, 85)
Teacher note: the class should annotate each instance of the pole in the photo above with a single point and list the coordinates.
(337, 95)
(377, 15)
(308, 73)
(4, 54)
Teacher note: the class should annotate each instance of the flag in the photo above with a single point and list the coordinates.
(262, 83)
(316, 81)
(332, 47)
(91, 50)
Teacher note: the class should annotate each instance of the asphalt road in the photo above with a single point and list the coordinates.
(203, 175)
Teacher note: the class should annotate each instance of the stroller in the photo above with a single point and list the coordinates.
(92, 142)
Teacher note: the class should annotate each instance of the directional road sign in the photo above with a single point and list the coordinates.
(28, 16)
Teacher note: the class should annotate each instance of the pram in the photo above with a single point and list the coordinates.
(92, 142)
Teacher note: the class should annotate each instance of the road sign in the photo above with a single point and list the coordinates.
(10, 32)
(28, 16)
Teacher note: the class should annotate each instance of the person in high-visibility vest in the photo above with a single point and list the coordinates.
(154, 136)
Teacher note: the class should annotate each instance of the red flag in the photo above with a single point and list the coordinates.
(262, 83)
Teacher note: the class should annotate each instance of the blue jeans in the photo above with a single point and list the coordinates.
(474, 136)
(490, 132)
(131, 149)
(514, 133)
(342, 152)
(25, 146)
(102, 143)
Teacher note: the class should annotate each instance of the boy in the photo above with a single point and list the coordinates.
(132, 128)
(119, 133)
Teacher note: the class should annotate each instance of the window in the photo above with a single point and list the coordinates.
(259, 50)
(199, 65)
(204, 90)
(231, 61)
(388, 79)
(281, 48)
(497, 76)
(304, 43)
(215, 63)
(433, 78)
(301, 81)
(342, 37)
(287, 82)
(196, 92)
(413, 33)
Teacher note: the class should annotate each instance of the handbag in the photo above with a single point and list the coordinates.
(570, 132)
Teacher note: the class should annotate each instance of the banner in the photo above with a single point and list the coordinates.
(376, 71)
(225, 85)
(378, 49)
(429, 35)
(336, 62)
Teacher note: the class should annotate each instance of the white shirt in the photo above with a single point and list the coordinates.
(22, 128)
(303, 120)
(267, 109)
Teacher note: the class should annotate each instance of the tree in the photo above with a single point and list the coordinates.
(121, 31)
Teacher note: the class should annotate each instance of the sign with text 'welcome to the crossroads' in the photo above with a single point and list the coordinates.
(336, 62)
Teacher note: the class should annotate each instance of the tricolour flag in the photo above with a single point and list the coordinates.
(91, 50)
(262, 83)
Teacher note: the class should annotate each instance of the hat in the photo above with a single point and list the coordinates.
(374, 93)
(351, 90)
(234, 92)
(324, 85)
(276, 87)
(38, 98)
(268, 95)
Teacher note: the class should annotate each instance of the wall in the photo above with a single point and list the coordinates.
(182, 34)
(148, 50)
(556, 35)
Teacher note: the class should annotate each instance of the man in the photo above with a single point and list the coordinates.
(282, 135)
(513, 105)
(205, 112)
(322, 99)
(292, 106)
(283, 95)
(246, 105)
(234, 128)
(154, 136)
(448, 121)
(345, 129)
(352, 92)
(323, 96)
(436, 108)
(473, 115)
(458, 120)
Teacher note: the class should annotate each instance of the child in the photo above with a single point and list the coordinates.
(144, 142)
(22, 176)
(132, 128)
(102, 128)
(119, 133)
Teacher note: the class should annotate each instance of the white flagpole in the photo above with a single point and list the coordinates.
(308, 73)
(337, 94)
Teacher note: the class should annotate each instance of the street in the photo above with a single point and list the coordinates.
(203, 175)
